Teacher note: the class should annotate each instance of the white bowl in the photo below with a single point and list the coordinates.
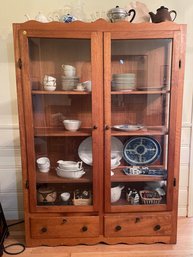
(72, 125)
(49, 88)
(69, 174)
(65, 196)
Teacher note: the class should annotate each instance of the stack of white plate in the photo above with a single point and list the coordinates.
(69, 83)
(123, 81)
(70, 173)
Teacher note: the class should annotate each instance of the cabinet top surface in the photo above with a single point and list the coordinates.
(100, 25)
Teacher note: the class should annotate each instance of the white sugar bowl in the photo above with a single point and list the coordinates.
(72, 125)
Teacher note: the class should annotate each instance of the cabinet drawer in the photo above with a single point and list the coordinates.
(138, 225)
(58, 227)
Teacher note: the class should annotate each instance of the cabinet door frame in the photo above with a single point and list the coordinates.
(97, 118)
(174, 121)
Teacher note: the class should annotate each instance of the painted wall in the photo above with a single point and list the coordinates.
(10, 163)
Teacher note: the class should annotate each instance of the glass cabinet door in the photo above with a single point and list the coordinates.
(62, 122)
(138, 139)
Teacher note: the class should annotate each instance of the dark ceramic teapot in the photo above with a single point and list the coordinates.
(162, 15)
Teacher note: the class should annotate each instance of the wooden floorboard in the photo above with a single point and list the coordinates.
(183, 248)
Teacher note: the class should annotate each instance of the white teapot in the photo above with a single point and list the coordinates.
(116, 193)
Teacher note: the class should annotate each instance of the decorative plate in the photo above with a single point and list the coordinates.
(141, 150)
(85, 150)
(126, 127)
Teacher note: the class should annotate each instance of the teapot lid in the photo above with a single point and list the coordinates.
(117, 9)
(162, 8)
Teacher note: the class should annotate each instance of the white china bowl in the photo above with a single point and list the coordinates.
(49, 88)
(69, 165)
(69, 174)
(65, 196)
(72, 125)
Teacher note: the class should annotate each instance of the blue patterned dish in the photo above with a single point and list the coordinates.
(141, 150)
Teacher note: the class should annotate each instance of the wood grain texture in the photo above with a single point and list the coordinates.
(95, 50)
(184, 246)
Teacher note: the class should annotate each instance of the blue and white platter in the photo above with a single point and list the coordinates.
(141, 150)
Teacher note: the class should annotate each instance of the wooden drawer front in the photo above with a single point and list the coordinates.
(138, 225)
(59, 227)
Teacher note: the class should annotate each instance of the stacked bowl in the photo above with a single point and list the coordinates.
(123, 81)
(69, 169)
(69, 80)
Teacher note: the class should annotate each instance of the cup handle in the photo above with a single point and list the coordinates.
(80, 165)
(63, 66)
(175, 14)
(134, 13)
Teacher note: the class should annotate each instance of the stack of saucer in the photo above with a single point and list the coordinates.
(69, 79)
(69, 83)
(123, 81)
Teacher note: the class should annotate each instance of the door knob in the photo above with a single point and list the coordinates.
(157, 227)
(95, 127)
(107, 127)
(44, 229)
(118, 228)
(84, 229)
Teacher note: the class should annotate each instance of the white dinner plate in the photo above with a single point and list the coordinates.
(126, 127)
(85, 150)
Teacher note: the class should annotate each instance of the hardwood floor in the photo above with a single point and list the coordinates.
(183, 248)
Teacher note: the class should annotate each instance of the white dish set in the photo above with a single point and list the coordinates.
(70, 169)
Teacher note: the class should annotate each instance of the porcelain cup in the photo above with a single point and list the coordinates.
(65, 196)
(88, 85)
(48, 78)
(68, 67)
(80, 87)
(43, 164)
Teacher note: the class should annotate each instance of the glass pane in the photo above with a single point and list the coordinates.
(62, 119)
(140, 102)
(141, 64)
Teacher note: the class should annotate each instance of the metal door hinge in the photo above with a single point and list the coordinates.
(27, 184)
(174, 182)
(19, 63)
(180, 64)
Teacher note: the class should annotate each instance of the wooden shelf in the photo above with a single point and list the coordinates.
(59, 92)
(160, 130)
(61, 132)
(51, 177)
(140, 92)
(119, 176)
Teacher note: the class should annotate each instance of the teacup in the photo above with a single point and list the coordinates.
(43, 164)
(88, 85)
(69, 73)
(68, 67)
(49, 79)
(80, 87)
(65, 196)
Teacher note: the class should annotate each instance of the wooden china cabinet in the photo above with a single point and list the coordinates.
(128, 141)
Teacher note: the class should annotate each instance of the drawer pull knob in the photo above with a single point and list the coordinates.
(118, 228)
(64, 221)
(137, 220)
(157, 228)
(84, 229)
(44, 230)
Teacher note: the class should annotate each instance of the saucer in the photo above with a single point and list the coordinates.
(79, 90)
